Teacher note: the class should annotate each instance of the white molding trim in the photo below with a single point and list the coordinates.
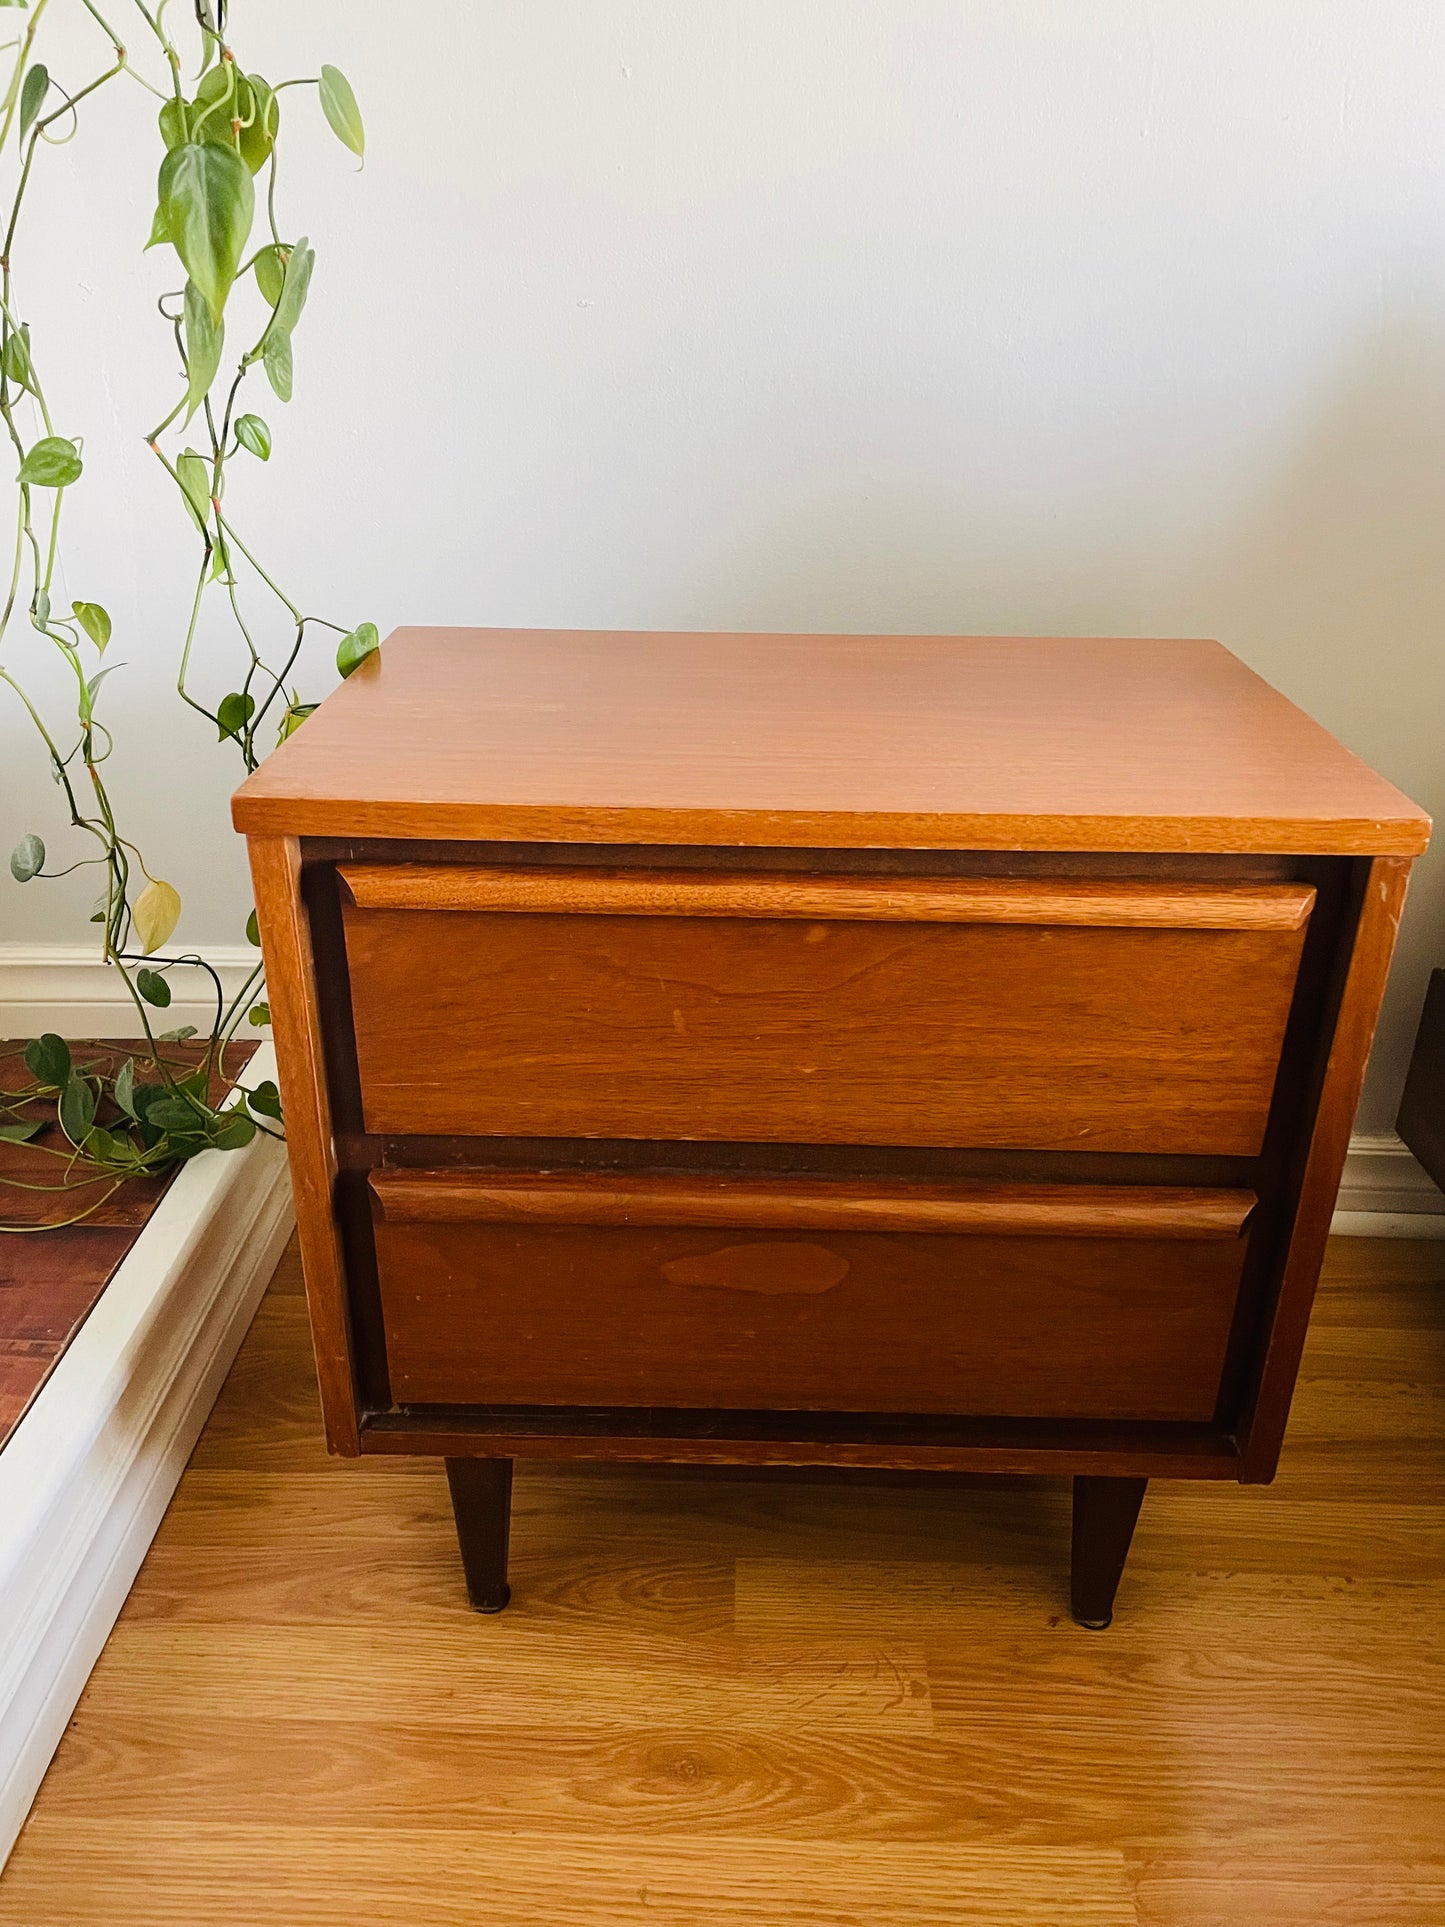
(88, 1473)
(1385, 1193)
(70, 988)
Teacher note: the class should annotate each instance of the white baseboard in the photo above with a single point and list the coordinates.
(1386, 1194)
(70, 989)
(88, 1473)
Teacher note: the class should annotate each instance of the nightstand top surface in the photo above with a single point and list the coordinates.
(933, 742)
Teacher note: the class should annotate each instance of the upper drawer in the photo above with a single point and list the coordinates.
(1052, 1015)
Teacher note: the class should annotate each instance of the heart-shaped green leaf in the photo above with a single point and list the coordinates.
(259, 126)
(88, 706)
(19, 1130)
(153, 987)
(259, 1015)
(253, 930)
(207, 203)
(353, 649)
(77, 1108)
(265, 1100)
(194, 474)
(173, 1115)
(294, 284)
(276, 360)
(48, 1058)
(37, 85)
(53, 462)
(233, 714)
(343, 116)
(27, 859)
(253, 434)
(205, 340)
(102, 1148)
(94, 621)
(16, 357)
(175, 123)
(271, 273)
(123, 1089)
(236, 1132)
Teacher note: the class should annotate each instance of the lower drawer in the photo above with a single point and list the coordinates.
(1029, 1301)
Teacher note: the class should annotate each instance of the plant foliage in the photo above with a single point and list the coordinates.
(218, 139)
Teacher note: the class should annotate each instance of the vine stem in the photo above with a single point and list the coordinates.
(219, 113)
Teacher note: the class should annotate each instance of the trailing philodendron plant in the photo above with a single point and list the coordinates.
(219, 135)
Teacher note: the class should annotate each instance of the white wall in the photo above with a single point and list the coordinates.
(996, 315)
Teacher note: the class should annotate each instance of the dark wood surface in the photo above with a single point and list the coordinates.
(1008, 1035)
(52, 1273)
(903, 1443)
(1421, 1122)
(1365, 959)
(1011, 1326)
(481, 1494)
(952, 742)
(1105, 1512)
(49, 1285)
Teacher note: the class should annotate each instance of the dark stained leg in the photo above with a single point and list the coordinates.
(1104, 1514)
(482, 1502)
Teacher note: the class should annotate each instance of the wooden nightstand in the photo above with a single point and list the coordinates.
(922, 1052)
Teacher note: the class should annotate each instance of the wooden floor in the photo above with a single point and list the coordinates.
(738, 1702)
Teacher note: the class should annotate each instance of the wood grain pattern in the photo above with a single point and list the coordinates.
(815, 1032)
(410, 1196)
(49, 1284)
(942, 742)
(311, 1149)
(858, 1686)
(684, 893)
(51, 1279)
(1255, 1743)
(1298, 1893)
(589, 1883)
(561, 1314)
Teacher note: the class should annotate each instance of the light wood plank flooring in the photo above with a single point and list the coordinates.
(796, 1705)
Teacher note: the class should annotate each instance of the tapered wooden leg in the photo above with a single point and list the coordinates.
(1104, 1514)
(482, 1504)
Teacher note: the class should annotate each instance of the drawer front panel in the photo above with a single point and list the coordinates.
(1012, 1302)
(1048, 1016)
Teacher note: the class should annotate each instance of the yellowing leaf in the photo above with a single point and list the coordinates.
(157, 912)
